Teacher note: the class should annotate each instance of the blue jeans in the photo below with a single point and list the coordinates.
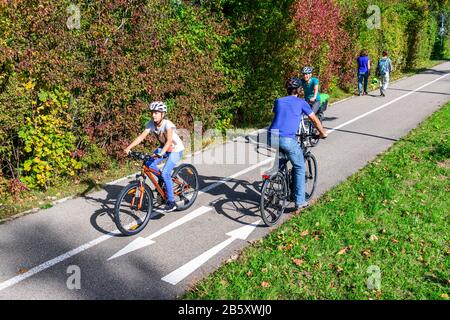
(363, 77)
(384, 82)
(294, 153)
(172, 159)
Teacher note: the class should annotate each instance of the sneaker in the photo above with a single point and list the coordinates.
(170, 206)
(299, 207)
(365, 93)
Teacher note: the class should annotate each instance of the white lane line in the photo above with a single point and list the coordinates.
(56, 260)
(385, 105)
(186, 269)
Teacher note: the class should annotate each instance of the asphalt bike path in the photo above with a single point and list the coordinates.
(39, 252)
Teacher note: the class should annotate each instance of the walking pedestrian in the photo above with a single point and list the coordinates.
(384, 68)
(363, 71)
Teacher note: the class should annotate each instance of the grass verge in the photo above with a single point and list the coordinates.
(382, 234)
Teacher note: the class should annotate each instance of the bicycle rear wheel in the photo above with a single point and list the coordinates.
(310, 175)
(133, 208)
(273, 199)
(186, 185)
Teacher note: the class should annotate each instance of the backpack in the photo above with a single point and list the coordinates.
(382, 67)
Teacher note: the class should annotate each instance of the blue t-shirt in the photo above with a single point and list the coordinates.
(308, 89)
(288, 114)
(363, 64)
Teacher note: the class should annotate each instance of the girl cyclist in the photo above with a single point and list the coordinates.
(171, 147)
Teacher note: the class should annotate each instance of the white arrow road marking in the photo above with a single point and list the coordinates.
(185, 270)
(143, 242)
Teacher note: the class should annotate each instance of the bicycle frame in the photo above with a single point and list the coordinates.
(150, 172)
(186, 187)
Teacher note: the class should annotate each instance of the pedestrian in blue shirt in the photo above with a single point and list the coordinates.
(363, 71)
(288, 114)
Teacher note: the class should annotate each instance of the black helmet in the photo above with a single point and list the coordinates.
(307, 70)
(293, 83)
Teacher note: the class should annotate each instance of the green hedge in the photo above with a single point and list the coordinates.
(222, 62)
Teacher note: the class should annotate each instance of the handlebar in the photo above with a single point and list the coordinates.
(139, 156)
(305, 135)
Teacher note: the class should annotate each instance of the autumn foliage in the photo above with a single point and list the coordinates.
(123, 55)
(322, 41)
(222, 62)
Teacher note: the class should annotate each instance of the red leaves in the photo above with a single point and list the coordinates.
(16, 187)
(324, 41)
(126, 53)
(22, 271)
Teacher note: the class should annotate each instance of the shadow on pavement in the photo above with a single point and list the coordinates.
(234, 204)
(420, 91)
(433, 71)
(103, 218)
(364, 134)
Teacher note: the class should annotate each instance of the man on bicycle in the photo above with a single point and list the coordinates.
(288, 114)
(311, 88)
(171, 147)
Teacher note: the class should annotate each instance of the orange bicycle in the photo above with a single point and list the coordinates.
(135, 202)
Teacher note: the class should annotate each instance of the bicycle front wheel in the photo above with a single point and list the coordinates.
(133, 208)
(312, 130)
(310, 175)
(273, 199)
(186, 185)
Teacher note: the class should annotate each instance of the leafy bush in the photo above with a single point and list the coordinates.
(257, 57)
(323, 41)
(222, 62)
(48, 141)
(125, 54)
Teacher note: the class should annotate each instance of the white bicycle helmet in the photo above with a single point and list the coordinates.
(158, 106)
(307, 70)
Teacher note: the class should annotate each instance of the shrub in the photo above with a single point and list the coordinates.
(48, 141)
(125, 54)
(222, 62)
(322, 41)
(257, 57)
